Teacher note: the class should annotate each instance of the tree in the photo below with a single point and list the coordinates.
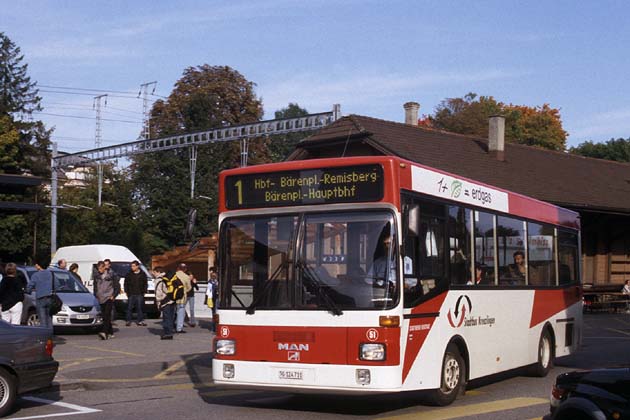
(23, 149)
(205, 97)
(534, 126)
(280, 147)
(17, 93)
(618, 150)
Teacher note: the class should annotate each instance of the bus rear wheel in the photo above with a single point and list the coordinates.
(545, 356)
(453, 378)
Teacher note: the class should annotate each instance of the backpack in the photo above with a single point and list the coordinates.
(176, 288)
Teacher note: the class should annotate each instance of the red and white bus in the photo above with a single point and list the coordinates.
(377, 274)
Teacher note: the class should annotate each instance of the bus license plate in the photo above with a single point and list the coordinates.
(84, 316)
(296, 375)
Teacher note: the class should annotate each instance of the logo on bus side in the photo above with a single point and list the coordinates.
(456, 318)
(463, 307)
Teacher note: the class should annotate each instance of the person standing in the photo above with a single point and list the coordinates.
(62, 264)
(42, 283)
(12, 290)
(212, 296)
(190, 299)
(112, 273)
(181, 303)
(165, 302)
(135, 287)
(106, 289)
(626, 294)
(74, 269)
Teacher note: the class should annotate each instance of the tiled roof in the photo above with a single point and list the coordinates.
(557, 177)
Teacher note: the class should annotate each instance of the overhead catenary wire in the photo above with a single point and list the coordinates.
(82, 106)
(88, 118)
(86, 89)
(87, 94)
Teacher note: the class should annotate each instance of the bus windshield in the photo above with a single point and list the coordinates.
(333, 262)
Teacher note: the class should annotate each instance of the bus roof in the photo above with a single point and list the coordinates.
(412, 176)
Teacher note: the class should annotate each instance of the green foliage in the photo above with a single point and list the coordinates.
(280, 147)
(205, 97)
(15, 228)
(534, 126)
(17, 93)
(10, 161)
(23, 150)
(618, 150)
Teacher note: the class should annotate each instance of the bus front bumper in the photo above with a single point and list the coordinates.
(308, 378)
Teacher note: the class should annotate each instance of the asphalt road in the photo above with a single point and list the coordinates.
(138, 376)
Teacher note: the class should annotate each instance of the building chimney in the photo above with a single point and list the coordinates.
(496, 137)
(411, 113)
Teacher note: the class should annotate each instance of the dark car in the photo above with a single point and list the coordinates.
(592, 395)
(26, 362)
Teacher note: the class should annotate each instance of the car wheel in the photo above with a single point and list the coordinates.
(545, 356)
(8, 391)
(32, 320)
(453, 378)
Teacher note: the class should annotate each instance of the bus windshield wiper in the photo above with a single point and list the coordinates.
(314, 278)
(252, 308)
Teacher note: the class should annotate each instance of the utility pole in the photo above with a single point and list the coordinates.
(53, 201)
(98, 141)
(244, 152)
(144, 90)
(193, 169)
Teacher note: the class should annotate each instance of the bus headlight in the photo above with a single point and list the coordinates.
(226, 347)
(372, 351)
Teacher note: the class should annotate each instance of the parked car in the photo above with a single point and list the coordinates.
(592, 395)
(26, 362)
(80, 308)
(86, 257)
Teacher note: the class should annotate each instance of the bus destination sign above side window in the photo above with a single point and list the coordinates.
(310, 186)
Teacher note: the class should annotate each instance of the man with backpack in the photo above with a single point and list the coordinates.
(165, 301)
(184, 279)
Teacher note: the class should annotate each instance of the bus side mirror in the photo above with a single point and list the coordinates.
(413, 219)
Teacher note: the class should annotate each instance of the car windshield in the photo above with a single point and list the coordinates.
(66, 282)
(333, 262)
(121, 268)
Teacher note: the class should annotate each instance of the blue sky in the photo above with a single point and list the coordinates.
(369, 56)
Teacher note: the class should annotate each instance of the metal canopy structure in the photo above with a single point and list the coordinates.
(242, 133)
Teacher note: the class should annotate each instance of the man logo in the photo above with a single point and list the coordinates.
(292, 346)
(293, 356)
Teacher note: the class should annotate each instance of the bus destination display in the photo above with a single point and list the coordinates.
(309, 186)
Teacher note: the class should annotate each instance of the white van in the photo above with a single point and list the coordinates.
(86, 256)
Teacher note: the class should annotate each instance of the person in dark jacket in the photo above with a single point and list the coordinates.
(106, 288)
(135, 287)
(12, 290)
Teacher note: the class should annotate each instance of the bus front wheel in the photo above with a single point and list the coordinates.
(545, 356)
(453, 378)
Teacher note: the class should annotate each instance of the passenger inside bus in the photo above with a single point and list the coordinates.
(516, 271)
(479, 275)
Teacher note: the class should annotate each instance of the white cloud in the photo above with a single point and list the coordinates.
(603, 126)
(78, 49)
(312, 90)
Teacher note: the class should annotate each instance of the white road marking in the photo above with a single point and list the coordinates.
(77, 409)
